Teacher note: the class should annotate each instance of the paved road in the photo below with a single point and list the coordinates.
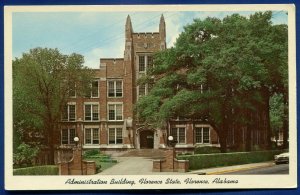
(275, 169)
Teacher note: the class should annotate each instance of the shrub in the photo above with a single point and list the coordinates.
(101, 156)
(201, 161)
(37, 170)
(98, 168)
(24, 155)
(92, 152)
(207, 150)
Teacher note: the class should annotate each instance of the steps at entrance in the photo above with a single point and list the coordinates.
(147, 153)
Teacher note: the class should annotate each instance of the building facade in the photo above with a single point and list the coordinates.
(105, 119)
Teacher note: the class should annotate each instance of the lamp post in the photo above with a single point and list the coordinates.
(76, 140)
(172, 144)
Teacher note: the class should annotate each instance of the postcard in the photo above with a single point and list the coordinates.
(150, 97)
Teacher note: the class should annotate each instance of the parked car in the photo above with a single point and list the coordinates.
(281, 158)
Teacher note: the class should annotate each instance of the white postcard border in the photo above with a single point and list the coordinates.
(61, 182)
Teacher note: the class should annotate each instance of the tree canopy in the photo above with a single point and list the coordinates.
(219, 71)
(43, 78)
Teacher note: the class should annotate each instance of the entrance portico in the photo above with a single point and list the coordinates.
(147, 138)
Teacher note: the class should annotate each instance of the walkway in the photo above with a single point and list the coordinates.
(136, 162)
(129, 166)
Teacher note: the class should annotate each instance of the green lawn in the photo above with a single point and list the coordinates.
(37, 170)
(103, 163)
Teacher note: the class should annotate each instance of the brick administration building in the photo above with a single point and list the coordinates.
(106, 121)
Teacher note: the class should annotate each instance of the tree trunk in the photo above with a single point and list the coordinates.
(50, 142)
(51, 148)
(268, 128)
(266, 99)
(223, 142)
(285, 122)
(248, 146)
(223, 135)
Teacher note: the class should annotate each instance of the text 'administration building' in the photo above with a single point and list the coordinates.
(105, 120)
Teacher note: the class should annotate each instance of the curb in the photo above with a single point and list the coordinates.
(238, 169)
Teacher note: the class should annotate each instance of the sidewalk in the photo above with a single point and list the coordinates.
(228, 169)
(134, 166)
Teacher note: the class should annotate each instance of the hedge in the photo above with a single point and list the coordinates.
(37, 170)
(200, 161)
(207, 150)
(99, 156)
(92, 152)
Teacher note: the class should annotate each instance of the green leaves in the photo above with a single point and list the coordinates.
(25, 154)
(219, 71)
(41, 85)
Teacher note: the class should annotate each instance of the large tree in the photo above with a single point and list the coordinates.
(218, 71)
(42, 81)
(276, 115)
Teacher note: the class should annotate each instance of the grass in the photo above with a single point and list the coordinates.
(37, 170)
(102, 160)
(104, 165)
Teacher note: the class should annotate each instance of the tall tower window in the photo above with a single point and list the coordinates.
(142, 64)
(150, 62)
(145, 62)
(142, 90)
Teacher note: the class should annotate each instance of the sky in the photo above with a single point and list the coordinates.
(98, 35)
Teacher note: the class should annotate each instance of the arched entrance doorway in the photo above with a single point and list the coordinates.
(146, 139)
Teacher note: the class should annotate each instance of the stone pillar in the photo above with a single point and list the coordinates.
(169, 163)
(63, 169)
(76, 166)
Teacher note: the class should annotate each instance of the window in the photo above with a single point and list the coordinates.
(115, 88)
(142, 64)
(178, 134)
(115, 112)
(142, 90)
(150, 62)
(202, 135)
(91, 112)
(198, 135)
(91, 136)
(115, 136)
(145, 62)
(93, 90)
(69, 112)
(67, 136)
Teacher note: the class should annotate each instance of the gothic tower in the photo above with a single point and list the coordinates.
(128, 40)
(162, 32)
